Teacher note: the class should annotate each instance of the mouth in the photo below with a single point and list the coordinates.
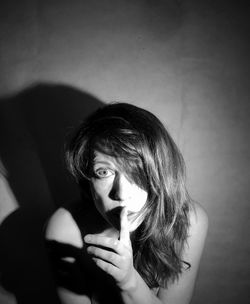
(114, 217)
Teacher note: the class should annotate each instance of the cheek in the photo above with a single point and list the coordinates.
(100, 194)
(139, 200)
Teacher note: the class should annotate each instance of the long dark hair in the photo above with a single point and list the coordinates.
(149, 156)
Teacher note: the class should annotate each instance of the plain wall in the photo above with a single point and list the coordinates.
(186, 61)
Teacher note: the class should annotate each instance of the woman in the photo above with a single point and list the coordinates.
(136, 237)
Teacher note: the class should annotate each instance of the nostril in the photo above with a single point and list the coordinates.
(118, 196)
(114, 195)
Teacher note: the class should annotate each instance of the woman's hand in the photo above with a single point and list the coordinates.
(117, 259)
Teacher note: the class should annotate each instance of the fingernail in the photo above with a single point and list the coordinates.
(87, 238)
(89, 249)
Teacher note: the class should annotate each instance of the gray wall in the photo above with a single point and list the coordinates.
(187, 61)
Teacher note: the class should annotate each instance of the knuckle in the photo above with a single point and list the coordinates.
(108, 242)
(118, 246)
(124, 258)
(108, 268)
(115, 243)
(115, 246)
(110, 257)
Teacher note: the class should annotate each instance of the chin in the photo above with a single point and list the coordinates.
(133, 227)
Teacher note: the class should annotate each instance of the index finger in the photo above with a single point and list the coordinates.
(124, 232)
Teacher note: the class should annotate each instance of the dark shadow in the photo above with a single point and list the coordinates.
(33, 125)
(72, 267)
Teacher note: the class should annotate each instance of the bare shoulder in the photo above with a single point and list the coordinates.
(181, 291)
(62, 227)
(198, 220)
(197, 234)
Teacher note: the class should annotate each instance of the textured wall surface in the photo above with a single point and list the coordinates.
(186, 61)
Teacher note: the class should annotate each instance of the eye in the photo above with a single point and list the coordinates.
(103, 173)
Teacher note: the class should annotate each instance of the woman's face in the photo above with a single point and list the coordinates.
(111, 190)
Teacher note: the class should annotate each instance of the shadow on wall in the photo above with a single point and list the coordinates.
(33, 125)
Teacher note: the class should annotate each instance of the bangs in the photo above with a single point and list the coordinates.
(125, 147)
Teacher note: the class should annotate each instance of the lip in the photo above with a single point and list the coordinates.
(131, 215)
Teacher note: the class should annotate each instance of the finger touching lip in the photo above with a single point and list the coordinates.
(114, 216)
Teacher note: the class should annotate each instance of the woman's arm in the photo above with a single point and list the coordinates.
(64, 244)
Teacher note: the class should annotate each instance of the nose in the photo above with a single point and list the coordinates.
(121, 190)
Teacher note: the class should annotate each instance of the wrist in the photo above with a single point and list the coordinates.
(131, 284)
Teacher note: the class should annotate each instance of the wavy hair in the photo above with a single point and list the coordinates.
(148, 155)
